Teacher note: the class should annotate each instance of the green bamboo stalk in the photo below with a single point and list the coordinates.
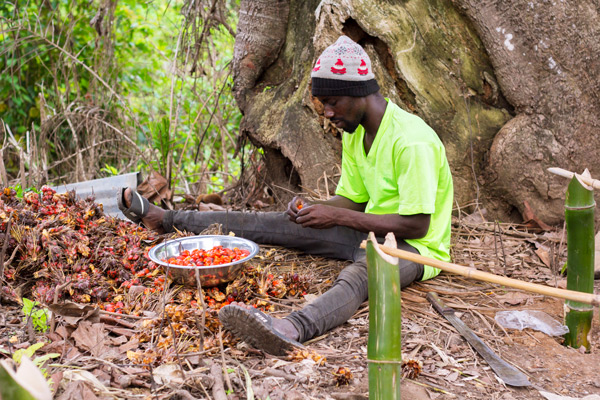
(384, 351)
(579, 216)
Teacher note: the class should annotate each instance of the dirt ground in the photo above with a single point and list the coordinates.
(449, 367)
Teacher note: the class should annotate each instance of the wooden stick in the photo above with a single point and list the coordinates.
(473, 273)
(595, 183)
(218, 390)
(22, 171)
(3, 175)
(7, 238)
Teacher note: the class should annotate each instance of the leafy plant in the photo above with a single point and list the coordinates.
(37, 361)
(38, 316)
(110, 170)
(162, 143)
(29, 352)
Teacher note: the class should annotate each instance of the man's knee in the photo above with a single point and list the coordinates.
(410, 272)
(354, 275)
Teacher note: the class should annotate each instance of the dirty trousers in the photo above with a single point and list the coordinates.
(341, 301)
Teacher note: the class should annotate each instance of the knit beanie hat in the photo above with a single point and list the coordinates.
(343, 69)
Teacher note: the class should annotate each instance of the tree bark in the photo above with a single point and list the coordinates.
(511, 87)
(546, 56)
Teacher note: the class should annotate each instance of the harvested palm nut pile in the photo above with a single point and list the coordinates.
(60, 248)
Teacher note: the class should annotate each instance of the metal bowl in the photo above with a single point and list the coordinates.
(209, 275)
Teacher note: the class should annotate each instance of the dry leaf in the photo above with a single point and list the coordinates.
(55, 380)
(64, 332)
(78, 375)
(452, 377)
(90, 337)
(118, 341)
(513, 298)
(532, 221)
(78, 390)
(73, 313)
(544, 256)
(155, 188)
(168, 373)
(132, 344)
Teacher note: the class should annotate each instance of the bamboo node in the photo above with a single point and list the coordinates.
(384, 361)
(582, 207)
(577, 307)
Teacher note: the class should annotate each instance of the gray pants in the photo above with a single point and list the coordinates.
(348, 292)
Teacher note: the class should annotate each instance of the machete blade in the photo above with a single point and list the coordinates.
(509, 374)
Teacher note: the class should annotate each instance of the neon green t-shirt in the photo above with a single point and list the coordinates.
(406, 172)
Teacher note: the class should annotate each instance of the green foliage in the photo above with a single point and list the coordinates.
(38, 361)
(29, 352)
(110, 170)
(29, 64)
(21, 192)
(161, 142)
(38, 317)
(181, 118)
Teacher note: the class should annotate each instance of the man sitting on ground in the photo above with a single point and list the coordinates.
(395, 178)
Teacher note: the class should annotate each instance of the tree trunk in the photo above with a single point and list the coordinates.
(511, 87)
(546, 56)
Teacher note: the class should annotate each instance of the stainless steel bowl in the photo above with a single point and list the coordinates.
(210, 275)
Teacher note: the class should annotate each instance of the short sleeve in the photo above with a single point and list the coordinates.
(351, 183)
(417, 172)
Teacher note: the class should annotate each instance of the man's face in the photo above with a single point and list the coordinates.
(344, 111)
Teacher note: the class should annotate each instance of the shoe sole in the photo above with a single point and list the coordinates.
(256, 328)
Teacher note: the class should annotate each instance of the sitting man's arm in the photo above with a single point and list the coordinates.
(297, 203)
(341, 211)
(342, 202)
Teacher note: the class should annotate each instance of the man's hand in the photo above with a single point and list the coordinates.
(294, 207)
(322, 212)
(311, 215)
(340, 211)
(318, 216)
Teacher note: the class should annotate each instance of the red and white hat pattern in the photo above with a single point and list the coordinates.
(338, 68)
(317, 65)
(344, 60)
(363, 69)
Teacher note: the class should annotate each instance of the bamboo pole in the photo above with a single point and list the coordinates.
(579, 216)
(472, 273)
(384, 348)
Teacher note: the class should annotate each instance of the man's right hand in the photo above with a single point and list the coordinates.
(294, 206)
